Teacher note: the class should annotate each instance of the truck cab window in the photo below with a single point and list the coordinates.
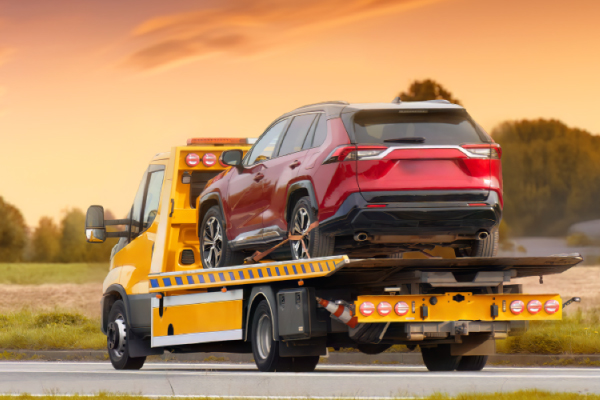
(152, 198)
(136, 209)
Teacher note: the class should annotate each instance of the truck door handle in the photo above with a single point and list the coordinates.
(258, 177)
(295, 164)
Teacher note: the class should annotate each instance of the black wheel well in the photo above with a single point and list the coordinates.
(293, 199)
(109, 299)
(204, 207)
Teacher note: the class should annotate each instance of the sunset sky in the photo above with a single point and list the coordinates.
(90, 89)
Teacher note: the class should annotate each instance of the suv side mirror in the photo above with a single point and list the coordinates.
(232, 158)
(95, 231)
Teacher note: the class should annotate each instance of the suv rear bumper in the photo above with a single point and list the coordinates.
(416, 217)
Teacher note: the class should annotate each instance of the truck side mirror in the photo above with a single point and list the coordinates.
(232, 158)
(95, 231)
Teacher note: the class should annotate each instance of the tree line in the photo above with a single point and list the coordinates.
(48, 242)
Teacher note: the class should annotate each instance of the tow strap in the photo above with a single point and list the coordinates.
(257, 256)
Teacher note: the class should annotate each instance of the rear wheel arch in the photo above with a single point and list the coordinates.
(296, 191)
(258, 294)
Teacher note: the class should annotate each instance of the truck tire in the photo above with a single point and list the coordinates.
(264, 347)
(372, 349)
(439, 358)
(487, 247)
(214, 246)
(117, 339)
(317, 244)
(472, 363)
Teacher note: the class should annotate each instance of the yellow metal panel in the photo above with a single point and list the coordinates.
(198, 318)
(472, 308)
(247, 274)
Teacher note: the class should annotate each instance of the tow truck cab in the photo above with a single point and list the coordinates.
(157, 297)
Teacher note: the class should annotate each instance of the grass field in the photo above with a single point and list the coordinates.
(27, 330)
(37, 274)
(519, 395)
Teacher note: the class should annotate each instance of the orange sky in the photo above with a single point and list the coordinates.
(90, 90)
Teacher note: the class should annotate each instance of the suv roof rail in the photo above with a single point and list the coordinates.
(439, 101)
(334, 102)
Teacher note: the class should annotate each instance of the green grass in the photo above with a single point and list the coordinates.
(26, 330)
(36, 274)
(519, 395)
(575, 334)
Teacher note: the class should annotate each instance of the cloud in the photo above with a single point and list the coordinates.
(248, 26)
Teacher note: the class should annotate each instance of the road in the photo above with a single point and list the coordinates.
(243, 380)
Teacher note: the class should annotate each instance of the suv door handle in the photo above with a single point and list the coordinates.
(258, 177)
(295, 164)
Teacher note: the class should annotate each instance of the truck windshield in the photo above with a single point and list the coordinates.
(417, 127)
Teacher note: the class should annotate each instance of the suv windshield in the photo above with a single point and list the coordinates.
(417, 127)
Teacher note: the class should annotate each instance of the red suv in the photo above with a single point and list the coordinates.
(381, 179)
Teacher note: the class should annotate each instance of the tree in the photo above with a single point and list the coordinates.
(427, 90)
(13, 232)
(73, 245)
(45, 241)
(551, 175)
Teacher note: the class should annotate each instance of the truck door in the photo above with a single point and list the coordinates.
(135, 258)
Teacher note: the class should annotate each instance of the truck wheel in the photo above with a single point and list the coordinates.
(264, 347)
(472, 363)
(487, 247)
(317, 244)
(439, 358)
(117, 339)
(214, 246)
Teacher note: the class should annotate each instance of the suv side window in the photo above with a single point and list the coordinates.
(320, 132)
(296, 133)
(263, 149)
(152, 198)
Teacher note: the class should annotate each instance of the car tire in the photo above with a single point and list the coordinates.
(214, 246)
(317, 244)
(487, 247)
(117, 342)
(472, 363)
(439, 358)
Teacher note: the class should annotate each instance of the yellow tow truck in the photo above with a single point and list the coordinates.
(157, 297)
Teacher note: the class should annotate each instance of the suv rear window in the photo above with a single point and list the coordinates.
(426, 127)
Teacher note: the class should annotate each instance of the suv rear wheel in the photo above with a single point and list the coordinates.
(487, 247)
(315, 243)
(214, 246)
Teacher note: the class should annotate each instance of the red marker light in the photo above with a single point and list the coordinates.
(209, 160)
(192, 159)
(551, 306)
(384, 308)
(534, 306)
(517, 307)
(401, 308)
(366, 308)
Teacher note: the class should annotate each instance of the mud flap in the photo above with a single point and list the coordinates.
(301, 348)
(141, 348)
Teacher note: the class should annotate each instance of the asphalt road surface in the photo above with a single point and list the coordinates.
(243, 380)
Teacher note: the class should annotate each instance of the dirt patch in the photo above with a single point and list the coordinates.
(576, 282)
(84, 298)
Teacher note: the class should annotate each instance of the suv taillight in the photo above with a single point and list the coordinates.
(492, 151)
(353, 153)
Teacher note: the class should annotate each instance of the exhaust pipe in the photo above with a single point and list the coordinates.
(483, 235)
(361, 237)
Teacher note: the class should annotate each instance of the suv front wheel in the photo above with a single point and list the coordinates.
(214, 246)
(316, 244)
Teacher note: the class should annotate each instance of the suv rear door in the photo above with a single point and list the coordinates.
(420, 151)
(282, 169)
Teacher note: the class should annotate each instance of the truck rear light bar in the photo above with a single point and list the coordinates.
(457, 306)
(191, 160)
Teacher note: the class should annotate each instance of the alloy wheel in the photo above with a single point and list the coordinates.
(212, 242)
(301, 223)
